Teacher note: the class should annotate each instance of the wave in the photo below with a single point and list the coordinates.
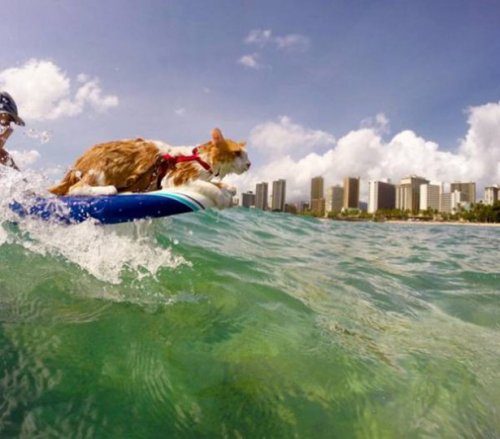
(105, 252)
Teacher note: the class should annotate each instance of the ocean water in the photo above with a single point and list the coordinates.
(243, 323)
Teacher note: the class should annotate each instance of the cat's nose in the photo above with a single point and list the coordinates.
(248, 165)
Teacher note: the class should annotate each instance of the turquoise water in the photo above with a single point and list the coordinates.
(249, 324)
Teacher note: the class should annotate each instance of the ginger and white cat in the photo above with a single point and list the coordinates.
(138, 165)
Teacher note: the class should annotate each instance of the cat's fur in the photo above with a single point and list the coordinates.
(133, 166)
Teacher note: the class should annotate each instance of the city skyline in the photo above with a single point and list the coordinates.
(318, 194)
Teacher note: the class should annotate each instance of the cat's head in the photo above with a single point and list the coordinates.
(226, 155)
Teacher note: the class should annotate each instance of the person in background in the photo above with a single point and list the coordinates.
(8, 114)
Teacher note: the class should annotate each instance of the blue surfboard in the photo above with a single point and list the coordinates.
(112, 209)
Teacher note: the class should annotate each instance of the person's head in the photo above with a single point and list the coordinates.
(8, 110)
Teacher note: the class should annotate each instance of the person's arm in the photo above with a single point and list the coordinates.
(5, 134)
(5, 158)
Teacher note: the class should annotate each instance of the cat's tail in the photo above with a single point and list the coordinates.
(70, 179)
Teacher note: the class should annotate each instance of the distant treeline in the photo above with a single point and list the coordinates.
(478, 213)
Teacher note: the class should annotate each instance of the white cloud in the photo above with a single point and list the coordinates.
(251, 61)
(481, 145)
(289, 42)
(379, 123)
(44, 92)
(82, 77)
(23, 159)
(363, 152)
(260, 37)
(284, 136)
(91, 93)
(292, 42)
(180, 111)
(264, 37)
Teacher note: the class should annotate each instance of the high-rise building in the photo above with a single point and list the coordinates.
(429, 196)
(457, 200)
(318, 206)
(248, 199)
(334, 198)
(468, 190)
(449, 202)
(278, 195)
(445, 202)
(351, 193)
(317, 188)
(261, 196)
(491, 195)
(381, 195)
(408, 193)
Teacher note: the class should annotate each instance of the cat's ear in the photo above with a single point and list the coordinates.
(242, 144)
(217, 135)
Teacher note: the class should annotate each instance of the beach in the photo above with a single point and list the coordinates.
(444, 223)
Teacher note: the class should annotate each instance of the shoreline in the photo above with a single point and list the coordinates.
(443, 223)
(429, 223)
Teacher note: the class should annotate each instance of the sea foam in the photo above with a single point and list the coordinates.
(105, 252)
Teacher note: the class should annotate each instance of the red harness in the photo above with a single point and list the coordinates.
(168, 162)
(195, 157)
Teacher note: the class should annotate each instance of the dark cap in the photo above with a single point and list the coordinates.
(8, 106)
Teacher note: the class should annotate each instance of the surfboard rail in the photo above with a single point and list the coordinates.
(112, 209)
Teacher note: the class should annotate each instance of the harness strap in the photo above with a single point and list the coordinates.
(188, 158)
(168, 161)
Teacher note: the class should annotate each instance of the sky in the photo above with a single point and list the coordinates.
(376, 89)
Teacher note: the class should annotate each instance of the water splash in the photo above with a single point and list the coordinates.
(103, 251)
(43, 136)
